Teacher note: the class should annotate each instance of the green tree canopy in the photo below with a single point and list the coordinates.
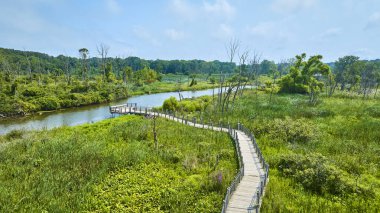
(304, 76)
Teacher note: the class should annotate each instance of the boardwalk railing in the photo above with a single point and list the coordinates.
(131, 108)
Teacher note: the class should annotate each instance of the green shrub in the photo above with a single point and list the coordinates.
(32, 92)
(130, 131)
(14, 134)
(299, 130)
(170, 104)
(315, 173)
(47, 103)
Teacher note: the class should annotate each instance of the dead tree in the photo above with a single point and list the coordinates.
(231, 49)
(242, 67)
(103, 52)
(29, 65)
(83, 52)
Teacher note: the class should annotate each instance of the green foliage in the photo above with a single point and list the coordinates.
(323, 157)
(266, 67)
(113, 165)
(146, 75)
(14, 134)
(193, 82)
(170, 104)
(48, 103)
(187, 105)
(289, 130)
(316, 174)
(303, 76)
(374, 111)
(212, 80)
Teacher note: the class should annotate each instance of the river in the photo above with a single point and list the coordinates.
(89, 114)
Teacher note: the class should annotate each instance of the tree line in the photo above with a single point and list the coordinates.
(16, 62)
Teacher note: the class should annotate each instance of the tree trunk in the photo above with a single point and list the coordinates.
(377, 87)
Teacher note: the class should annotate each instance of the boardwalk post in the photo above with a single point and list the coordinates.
(258, 197)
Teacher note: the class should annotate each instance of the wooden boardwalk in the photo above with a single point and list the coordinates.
(247, 193)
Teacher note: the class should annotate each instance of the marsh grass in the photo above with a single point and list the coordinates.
(113, 165)
(344, 131)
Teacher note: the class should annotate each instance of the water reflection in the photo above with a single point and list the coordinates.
(89, 114)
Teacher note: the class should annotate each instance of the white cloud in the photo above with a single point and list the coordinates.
(224, 32)
(113, 6)
(219, 7)
(288, 6)
(190, 11)
(364, 53)
(329, 33)
(270, 31)
(142, 33)
(262, 29)
(374, 21)
(184, 9)
(174, 34)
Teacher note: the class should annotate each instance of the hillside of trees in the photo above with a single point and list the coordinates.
(23, 62)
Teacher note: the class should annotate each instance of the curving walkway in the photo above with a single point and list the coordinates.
(244, 194)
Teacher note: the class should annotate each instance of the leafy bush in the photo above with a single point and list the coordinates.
(32, 92)
(287, 85)
(299, 130)
(315, 173)
(129, 131)
(170, 104)
(47, 103)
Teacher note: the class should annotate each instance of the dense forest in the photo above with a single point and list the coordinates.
(31, 82)
(24, 62)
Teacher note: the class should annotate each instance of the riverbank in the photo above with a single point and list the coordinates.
(59, 104)
(89, 114)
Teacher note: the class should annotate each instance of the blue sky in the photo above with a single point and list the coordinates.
(193, 29)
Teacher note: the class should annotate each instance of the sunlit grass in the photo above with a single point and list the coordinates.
(113, 165)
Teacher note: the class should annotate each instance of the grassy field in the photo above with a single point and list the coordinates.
(323, 158)
(113, 165)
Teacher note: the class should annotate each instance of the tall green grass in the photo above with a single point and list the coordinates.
(113, 165)
(344, 134)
